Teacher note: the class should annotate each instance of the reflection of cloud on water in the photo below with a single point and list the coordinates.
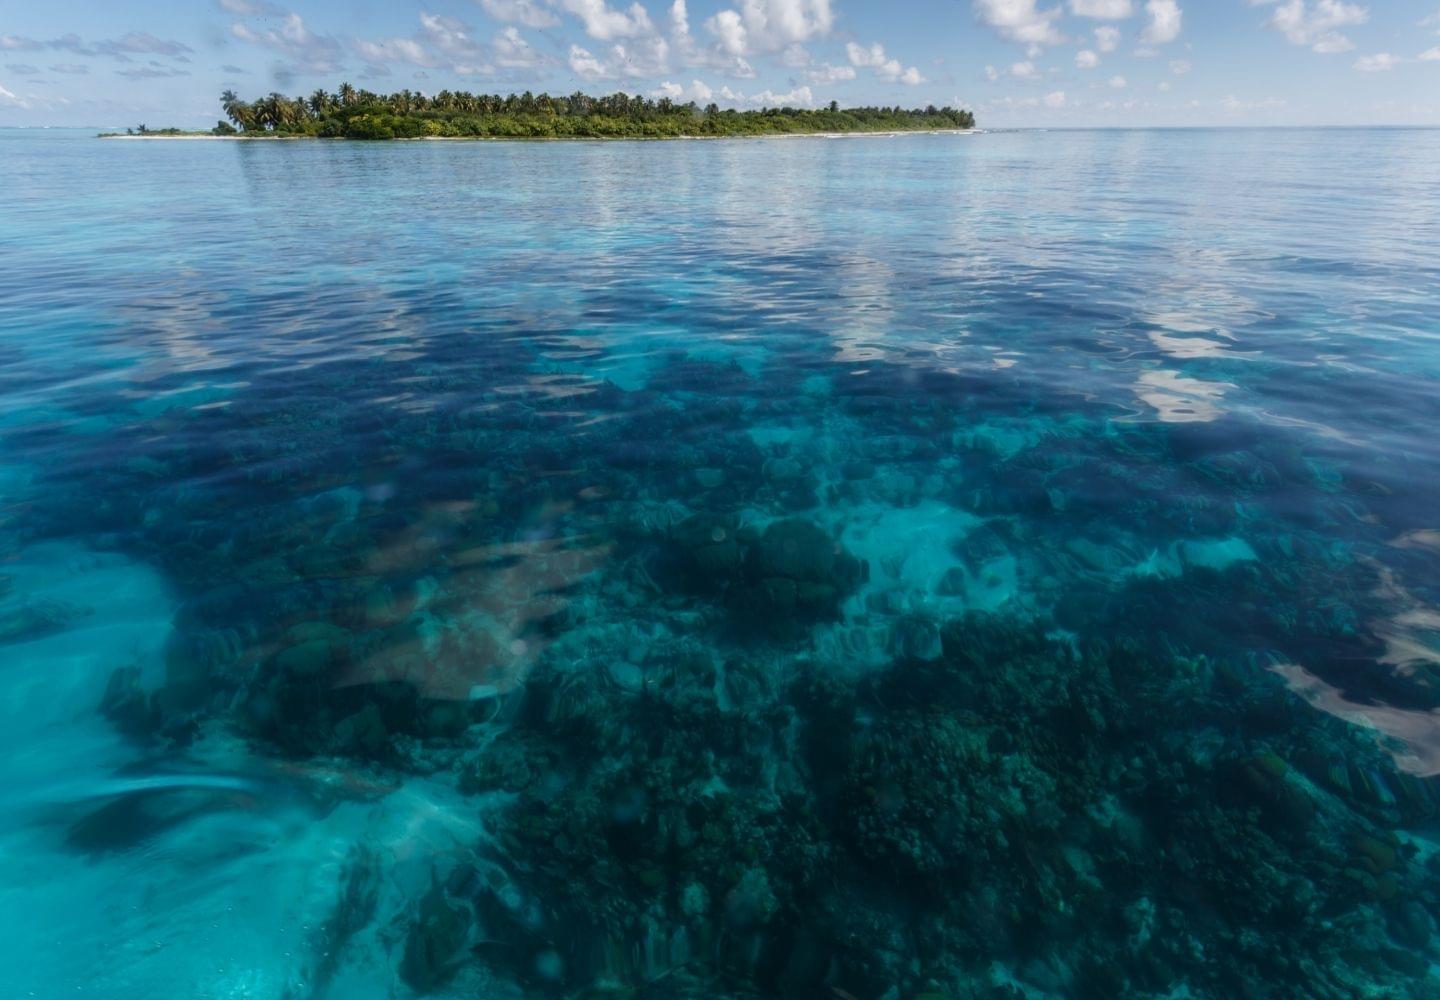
(1417, 731)
(1426, 539)
(1181, 400)
(1188, 348)
(1410, 634)
(1410, 637)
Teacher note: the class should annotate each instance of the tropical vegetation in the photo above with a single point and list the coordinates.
(349, 113)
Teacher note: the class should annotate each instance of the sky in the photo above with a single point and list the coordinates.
(1016, 63)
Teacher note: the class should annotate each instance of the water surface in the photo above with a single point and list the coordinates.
(937, 566)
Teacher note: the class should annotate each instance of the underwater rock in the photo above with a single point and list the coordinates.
(798, 573)
(126, 704)
(36, 619)
(436, 942)
(707, 553)
(791, 573)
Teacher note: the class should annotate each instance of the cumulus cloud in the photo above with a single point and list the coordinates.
(686, 51)
(1316, 26)
(1180, 66)
(798, 97)
(523, 12)
(310, 52)
(1117, 83)
(449, 43)
(1085, 59)
(1107, 39)
(698, 91)
(1431, 55)
(729, 28)
(1105, 10)
(885, 68)
(513, 52)
(770, 25)
(605, 23)
(826, 74)
(584, 64)
(1380, 62)
(1021, 21)
(1165, 17)
(637, 59)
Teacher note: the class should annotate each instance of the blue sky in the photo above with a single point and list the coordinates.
(1015, 62)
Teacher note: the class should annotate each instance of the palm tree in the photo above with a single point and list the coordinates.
(319, 103)
(235, 109)
(346, 94)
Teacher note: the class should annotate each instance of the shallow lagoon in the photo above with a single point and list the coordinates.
(996, 565)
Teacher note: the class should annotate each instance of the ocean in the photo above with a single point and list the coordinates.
(884, 568)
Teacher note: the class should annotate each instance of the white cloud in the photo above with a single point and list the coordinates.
(445, 41)
(1107, 39)
(1105, 10)
(584, 64)
(1180, 66)
(829, 74)
(1316, 27)
(525, 12)
(448, 35)
(800, 96)
(795, 56)
(513, 52)
(679, 19)
(770, 25)
(1163, 86)
(1431, 55)
(1026, 71)
(698, 91)
(1380, 62)
(1117, 83)
(1164, 26)
(641, 57)
(605, 23)
(729, 27)
(885, 68)
(1021, 21)
(396, 50)
(1055, 99)
(1085, 59)
(314, 53)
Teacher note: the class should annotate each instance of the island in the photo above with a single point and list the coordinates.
(349, 113)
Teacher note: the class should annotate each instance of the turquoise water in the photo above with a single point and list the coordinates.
(942, 566)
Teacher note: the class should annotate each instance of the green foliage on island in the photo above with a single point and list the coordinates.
(359, 114)
(221, 128)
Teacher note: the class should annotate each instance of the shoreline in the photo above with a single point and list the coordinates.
(558, 138)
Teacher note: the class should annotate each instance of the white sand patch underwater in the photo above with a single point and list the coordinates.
(210, 873)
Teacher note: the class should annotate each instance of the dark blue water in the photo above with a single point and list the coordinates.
(947, 566)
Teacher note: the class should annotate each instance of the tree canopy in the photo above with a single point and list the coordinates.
(349, 113)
